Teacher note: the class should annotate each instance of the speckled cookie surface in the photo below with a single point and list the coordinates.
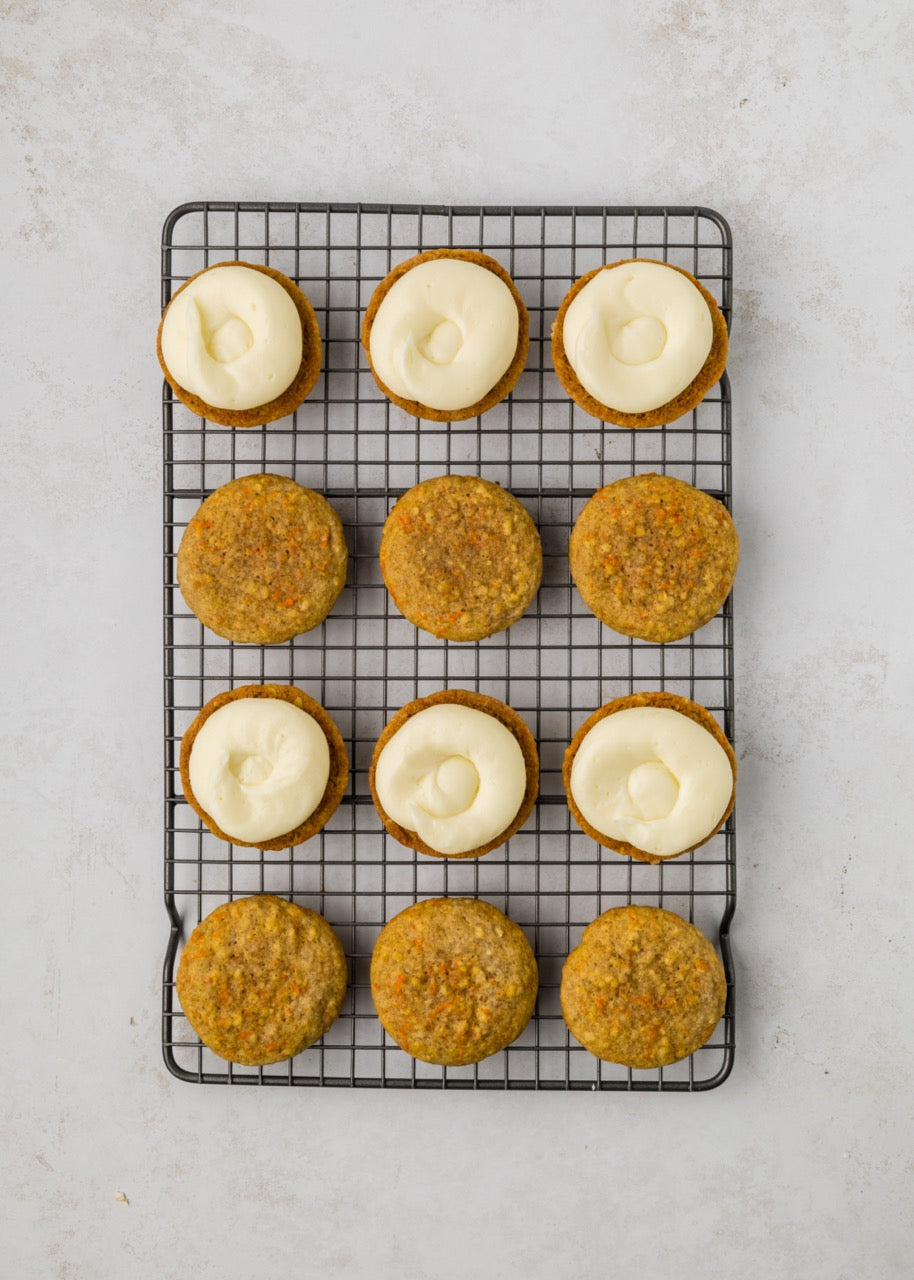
(300, 387)
(339, 762)
(672, 702)
(453, 980)
(480, 702)
(260, 979)
(506, 382)
(262, 560)
(461, 557)
(692, 395)
(653, 557)
(644, 988)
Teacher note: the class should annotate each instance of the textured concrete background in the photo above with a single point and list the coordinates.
(795, 120)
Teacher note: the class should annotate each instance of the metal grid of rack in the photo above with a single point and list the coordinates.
(555, 666)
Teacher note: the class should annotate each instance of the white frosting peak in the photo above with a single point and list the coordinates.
(444, 334)
(652, 790)
(653, 778)
(259, 767)
(233, 337)
(449, 789)
(637, 334)
(454, 775)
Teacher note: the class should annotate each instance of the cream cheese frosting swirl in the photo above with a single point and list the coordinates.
(637, 334)
(233, 337)
(259, 767)
(444, 334)
(652, 778)
(454, 775)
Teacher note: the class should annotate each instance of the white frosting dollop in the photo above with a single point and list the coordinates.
(444, 333)
(454, 775)
(653, 778)
(259, 767)
(637, 334)
(233, 337)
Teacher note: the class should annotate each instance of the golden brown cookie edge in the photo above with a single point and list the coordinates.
(509, 378)
(297, 391)
(710, 372)
(656, 698)
(491, 706)
(336, 782)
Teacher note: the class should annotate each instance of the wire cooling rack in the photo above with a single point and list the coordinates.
(555, 666)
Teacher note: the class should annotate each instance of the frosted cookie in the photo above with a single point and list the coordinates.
(644, 988)
(239, 344)
(455, 774)
(638, 343)
(446, 334)
(653, 557)
(262, 560)
(650, 776)
(461, 557)
(453, 980)
(264, 766)
(261, 979)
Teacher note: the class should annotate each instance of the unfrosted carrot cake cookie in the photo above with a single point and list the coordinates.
(653, 557)
(651, 776)
(453, 980)
(261, 979)
(446, 334)
(638, 343)
(239, 344)
(454, 775)
(644, 988)
(461, 557)
(263, 765)
(262, 560)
